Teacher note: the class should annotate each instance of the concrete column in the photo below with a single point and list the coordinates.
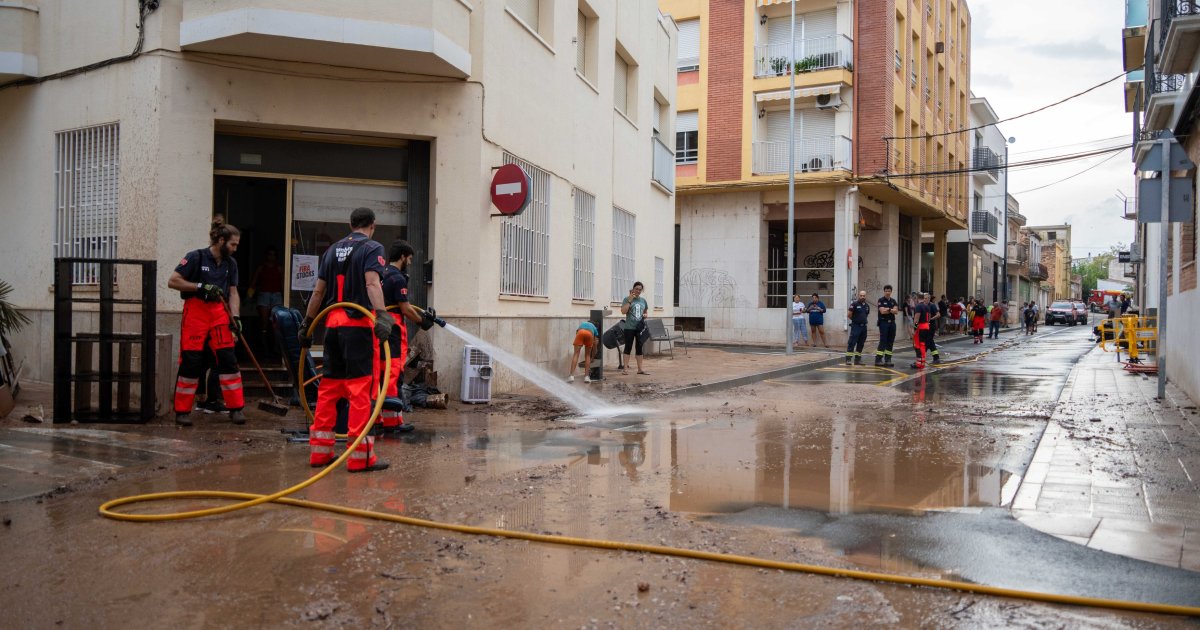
(881, 253)
(1150, 268)
(845, 215)
(915, 277)
(939, 263)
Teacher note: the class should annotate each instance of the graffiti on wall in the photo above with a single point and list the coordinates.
(820, 260)
(709, 287)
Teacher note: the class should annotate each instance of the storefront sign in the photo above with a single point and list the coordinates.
(304, 272)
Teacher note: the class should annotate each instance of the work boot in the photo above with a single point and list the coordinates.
(857, 360)
(878, 359)
(917, 366)
(237, 417)
(937, 358)
(214, 405)
(182, 419)
(849, 360)
(888, 363)
(372, 468)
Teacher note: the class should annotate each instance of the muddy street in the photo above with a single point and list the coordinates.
(849, 467)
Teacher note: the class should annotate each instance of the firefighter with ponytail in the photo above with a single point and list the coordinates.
(207, 280)
(395, 295)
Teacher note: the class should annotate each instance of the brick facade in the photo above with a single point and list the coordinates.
(726, 76)
(874, 78)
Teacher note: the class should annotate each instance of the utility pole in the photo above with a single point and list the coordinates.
(1004, 264)
(1165, 225)
(791, 228)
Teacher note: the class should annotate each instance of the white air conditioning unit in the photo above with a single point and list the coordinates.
(828, 101)
(476, 376)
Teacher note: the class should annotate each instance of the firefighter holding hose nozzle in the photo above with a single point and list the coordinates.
(395, 295)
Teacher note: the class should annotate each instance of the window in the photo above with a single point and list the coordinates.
(687, 137)
(621, 92)
(584, 287)
(86, 176)
(659, 281)
(528, 10)
(1052, 236)
(525, 238)
(586, 43)
(623, 239)
(689, 45)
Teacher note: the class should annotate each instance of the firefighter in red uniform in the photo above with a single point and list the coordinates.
(395, 295)
(204, 278)
(350, 271)
(924, 316)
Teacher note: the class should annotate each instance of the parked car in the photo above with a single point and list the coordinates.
(1081, 313)
(1060, 313)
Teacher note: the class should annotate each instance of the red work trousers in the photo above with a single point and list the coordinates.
(398, 343)
(350, 355)
(206, 322)
(919, 341)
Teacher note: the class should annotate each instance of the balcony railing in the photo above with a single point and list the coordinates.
(812, 155)
(1018, 254)
(1038, 271)
(985, 160)
(984, 223)
(1167, 82)
(664, 164)
(818, 53)
(1176, 8)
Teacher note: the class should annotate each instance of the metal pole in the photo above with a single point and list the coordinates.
(791, 228)
(1163, 226)
(1004, 215)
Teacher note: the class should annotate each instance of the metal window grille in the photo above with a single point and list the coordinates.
(623, 239)
(525, 238)
(585, 246)
(659, 280)
(86, 177)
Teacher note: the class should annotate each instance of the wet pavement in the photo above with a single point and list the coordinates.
(914, 478)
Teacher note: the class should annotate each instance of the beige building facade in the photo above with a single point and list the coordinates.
(284, 116)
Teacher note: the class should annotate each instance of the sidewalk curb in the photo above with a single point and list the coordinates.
(707, 388)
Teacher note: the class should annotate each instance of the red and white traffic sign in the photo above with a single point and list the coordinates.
(510, 189)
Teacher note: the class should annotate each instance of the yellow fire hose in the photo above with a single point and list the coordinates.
(246, 500)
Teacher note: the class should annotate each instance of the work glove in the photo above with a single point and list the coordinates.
(428, 318)
(235, 326)
(383, 324)
(210, 292)
(305, 339)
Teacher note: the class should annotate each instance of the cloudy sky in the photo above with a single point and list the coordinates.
(1029, 53)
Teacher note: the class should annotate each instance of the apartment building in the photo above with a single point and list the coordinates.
(285, 115)
(879, 86)
(1163, 37)
(1056, 256)
(975, 256)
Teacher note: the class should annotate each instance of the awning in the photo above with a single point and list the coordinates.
(782, 95)
(766, 3)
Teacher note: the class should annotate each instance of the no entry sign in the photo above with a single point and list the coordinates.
(510, 189)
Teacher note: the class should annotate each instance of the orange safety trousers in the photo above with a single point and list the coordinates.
(206, 323)
(399, 345)
(350, 353)
(919, 344)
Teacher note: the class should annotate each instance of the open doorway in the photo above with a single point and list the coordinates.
(258, 207)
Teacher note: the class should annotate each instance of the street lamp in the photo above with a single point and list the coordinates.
(1004, 267)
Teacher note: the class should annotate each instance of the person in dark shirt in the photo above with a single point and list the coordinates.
(395, 295)
(943, 314)
(205, 278)
(925, 316)
(886, 307)
(816, 319)
(979, 315)
(858, 313)
(349, 271)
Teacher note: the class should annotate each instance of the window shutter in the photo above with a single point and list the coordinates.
(581, 45)
(777, 126)
(689, 44)
(687, 121)
(818, 124)
(818, 24)
(527, 10)
(778, 30)
(621, 86)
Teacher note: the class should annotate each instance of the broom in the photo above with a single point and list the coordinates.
(274, 406)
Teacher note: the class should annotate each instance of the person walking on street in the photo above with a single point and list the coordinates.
(996, 317)
(634, 307)
(204, 278)
(816, 319)
(943, 315)
(955, 314)
(585, 341)
(887, 308)
(925, 315)
(799, 322)
(978, 321)
(858, 313)
(349, 271)
(395, 295)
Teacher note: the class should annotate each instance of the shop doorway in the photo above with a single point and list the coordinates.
(257, 206)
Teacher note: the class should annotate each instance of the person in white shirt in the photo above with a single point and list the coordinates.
(799, 322)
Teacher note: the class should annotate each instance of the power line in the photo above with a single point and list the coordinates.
(1015, 165)
(1073, 144)
(1069, 176)
(1029, 113)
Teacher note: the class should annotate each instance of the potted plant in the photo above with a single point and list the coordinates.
(779, 65)
(11, 321)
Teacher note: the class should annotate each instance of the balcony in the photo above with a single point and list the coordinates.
(1018, 256)
(1133, 36)
(411, 36)
(985, 228)
(664, 164)
(1130, 271)
(1182, 36)
(1038, 272)
(820, 53)
(18, 42)
(1162, 91)
(985, 165)
(813, 155)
